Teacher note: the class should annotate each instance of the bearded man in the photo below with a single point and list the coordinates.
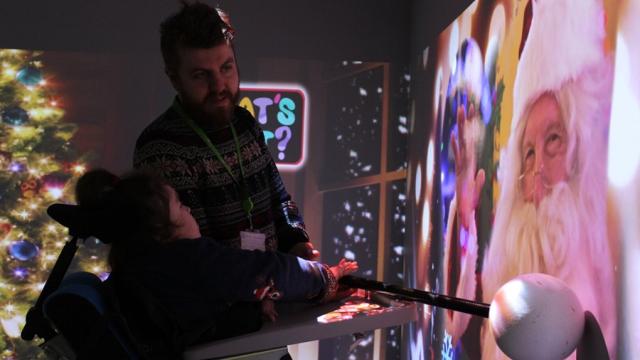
(213, 151)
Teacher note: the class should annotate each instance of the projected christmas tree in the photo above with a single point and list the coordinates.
(38, 167)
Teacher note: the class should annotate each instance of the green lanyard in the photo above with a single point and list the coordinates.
(247, 204)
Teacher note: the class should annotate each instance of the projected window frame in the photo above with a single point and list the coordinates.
(382, 182)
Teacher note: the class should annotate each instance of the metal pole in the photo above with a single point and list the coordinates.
(426, 297)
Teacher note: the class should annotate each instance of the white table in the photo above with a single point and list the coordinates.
(298, 323)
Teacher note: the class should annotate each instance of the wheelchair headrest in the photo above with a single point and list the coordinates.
(82, 222)
(69, 216)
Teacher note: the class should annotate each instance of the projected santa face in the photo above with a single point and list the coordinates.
(543, 149)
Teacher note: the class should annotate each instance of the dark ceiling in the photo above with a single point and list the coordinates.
(372, 30)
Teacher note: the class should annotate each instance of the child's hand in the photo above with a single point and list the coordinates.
(344, 268)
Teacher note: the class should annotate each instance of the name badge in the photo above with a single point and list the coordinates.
(252, 240)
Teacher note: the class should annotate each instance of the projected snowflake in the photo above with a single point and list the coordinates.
(355, 117)
(394, 268)
(351, 231)
(447, 348)
(358, 346)
(393, 343)
(399, 124)
(394, 272)
(351, 227)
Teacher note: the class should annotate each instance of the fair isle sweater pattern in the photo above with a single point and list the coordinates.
(168, 146)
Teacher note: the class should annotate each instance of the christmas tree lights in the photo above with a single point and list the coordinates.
(38, 167)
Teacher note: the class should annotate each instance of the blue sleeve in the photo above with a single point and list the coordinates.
(243, 275)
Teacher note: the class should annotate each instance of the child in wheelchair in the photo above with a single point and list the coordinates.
(176, 288)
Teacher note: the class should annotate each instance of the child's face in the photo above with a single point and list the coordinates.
(186, 225)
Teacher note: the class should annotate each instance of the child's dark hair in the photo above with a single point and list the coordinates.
(196, 25)
(132, 213)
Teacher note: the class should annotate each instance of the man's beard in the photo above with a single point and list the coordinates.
(223, 114)
(211, 111)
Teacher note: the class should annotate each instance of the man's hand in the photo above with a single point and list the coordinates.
(305, 250)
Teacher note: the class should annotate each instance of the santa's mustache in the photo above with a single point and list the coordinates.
(544, 238)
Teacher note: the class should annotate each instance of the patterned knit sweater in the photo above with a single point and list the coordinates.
(170, 147)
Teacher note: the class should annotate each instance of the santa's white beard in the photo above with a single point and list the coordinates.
(538, 240)
(554, 239)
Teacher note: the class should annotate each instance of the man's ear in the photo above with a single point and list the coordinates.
(173, 77)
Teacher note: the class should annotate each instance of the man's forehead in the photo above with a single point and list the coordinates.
(202, 57)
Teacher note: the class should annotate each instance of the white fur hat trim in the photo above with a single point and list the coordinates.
(565, 38)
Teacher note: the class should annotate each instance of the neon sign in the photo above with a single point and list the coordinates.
(281, 110)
